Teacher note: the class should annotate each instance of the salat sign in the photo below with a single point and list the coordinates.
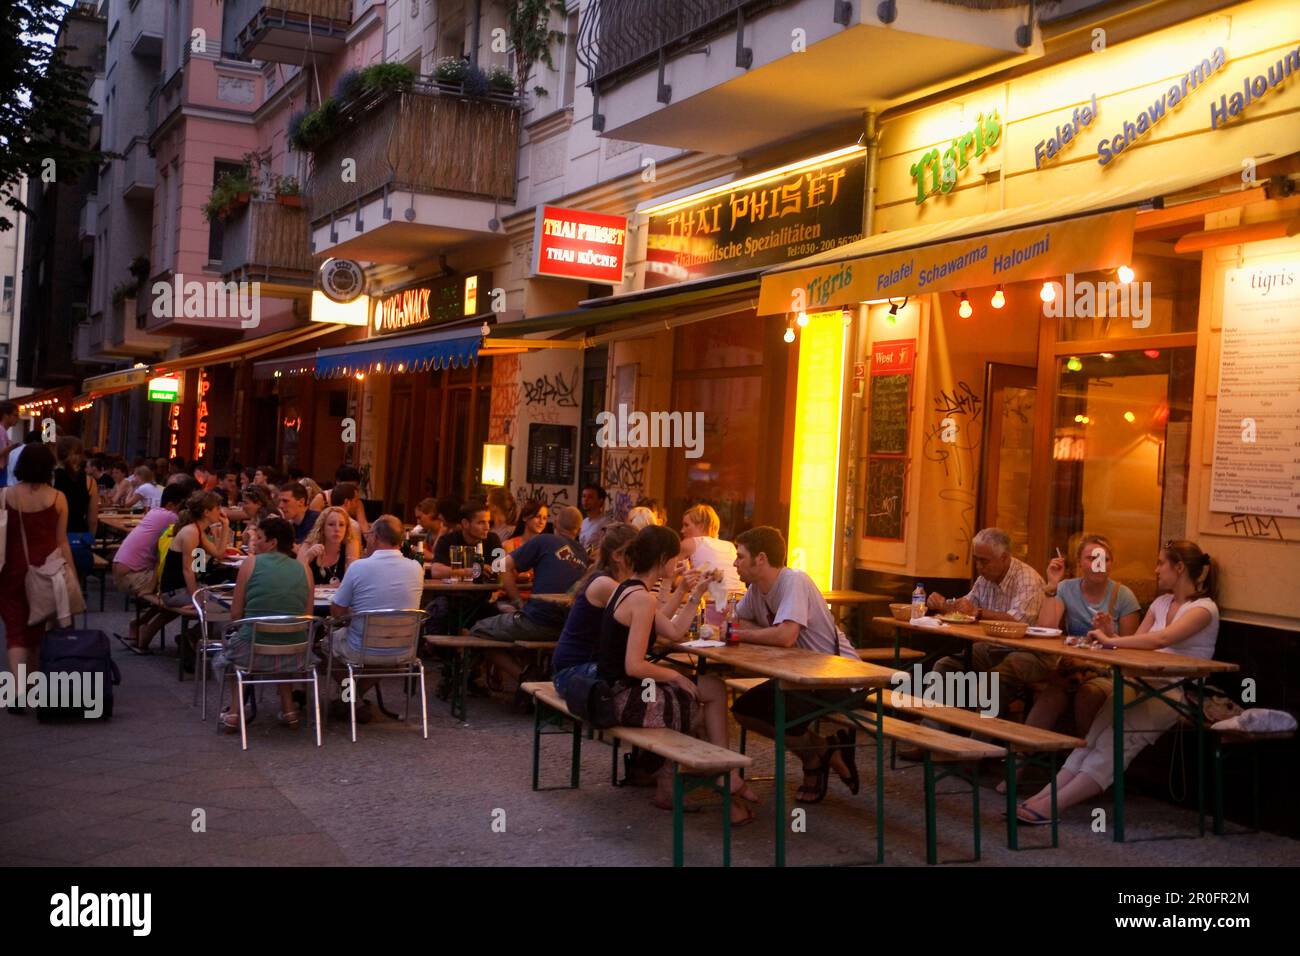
(576, 244)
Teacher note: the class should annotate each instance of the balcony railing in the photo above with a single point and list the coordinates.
(425, 140)
(139, 172)
(620, 38)
(286, 31)
(265, 240)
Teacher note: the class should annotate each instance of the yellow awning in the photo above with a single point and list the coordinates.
(245, 349)
(111, 382)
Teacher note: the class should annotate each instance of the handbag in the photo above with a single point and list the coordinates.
(591, 699)
(52, 589)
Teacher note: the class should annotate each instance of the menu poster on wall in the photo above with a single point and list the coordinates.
(1256, 466)
(551, 454)
(885, 498)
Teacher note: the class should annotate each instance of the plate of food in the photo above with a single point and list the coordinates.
(1042, 632)
(957, 617)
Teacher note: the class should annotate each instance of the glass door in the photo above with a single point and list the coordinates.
(1008, 453)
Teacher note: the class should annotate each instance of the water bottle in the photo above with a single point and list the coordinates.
(918, 601)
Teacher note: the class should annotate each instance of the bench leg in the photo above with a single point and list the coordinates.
(1051, 767)
(537, 739)
(931, 852)
(613, 769)
(880, 778)
(1200, 759)
(1013, 831)
(460, 684)
(575, 765)
(975, 805)
(679, 796)
(726, 819)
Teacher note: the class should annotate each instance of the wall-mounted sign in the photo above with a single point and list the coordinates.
(1081, 119)
(201, 417)
(342, 279)
(443, 300)
(174, 431)
(576, 244)
(1230, 106)
(773, 217)
(164, 389)
(1158, 109)
(937, 171)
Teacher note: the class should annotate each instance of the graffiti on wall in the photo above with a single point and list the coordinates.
(624, 477)
(506, 392)
(952, 437)
(550, 495)
(552, 389)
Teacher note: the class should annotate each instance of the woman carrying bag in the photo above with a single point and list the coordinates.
(38, 580)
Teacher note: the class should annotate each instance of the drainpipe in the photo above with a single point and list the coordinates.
(857, 348)
(475, 13)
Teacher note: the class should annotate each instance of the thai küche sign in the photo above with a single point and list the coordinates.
(937, 172)
(444, 300)
(1084, 244)
(771, 218)
(576, 244)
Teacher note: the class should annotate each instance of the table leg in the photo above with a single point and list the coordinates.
(679, 797)
(1117, 702)
(537, 739)
(778, 719)
(726, 819)
(1200, 754)
(1013, 833)
(880, 776)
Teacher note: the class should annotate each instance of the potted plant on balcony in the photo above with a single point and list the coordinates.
(124, 291)
(231, 190)
(383, 78)
(450, 72)
(500, 80)
(288, 192)
(139, 268)
(310, 130)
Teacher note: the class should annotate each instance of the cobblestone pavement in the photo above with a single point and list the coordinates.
(125, 793)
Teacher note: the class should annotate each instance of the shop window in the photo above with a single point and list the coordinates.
(4, 360)
(1165, 291)
(1120, 448)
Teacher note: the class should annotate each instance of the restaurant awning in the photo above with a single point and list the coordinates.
(1077, 233)
(454, 348)
(59, 398)
(109, 383)
(246, 348)
(302, 363)
(631, 305)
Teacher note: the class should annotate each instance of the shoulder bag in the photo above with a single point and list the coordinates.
(52, 589)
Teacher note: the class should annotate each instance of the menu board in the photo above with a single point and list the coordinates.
(885, 497)
(1256, 468)
(551, 454)
(887, 419)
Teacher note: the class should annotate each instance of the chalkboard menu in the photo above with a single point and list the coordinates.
(885, 497)
(887, 421)
(551, 455)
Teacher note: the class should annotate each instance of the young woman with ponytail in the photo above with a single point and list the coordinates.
(1183, 620)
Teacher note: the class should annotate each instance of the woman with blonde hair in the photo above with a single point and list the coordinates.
(708, 552)
(1182, 620)
(330, 546)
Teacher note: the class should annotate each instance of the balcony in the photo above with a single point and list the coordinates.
(205, 306)
(434, 169)
(266, 241)
(147, 45)
(124, 334)
(139, 172)
(88, 221)
(677, 72)
(291, 31)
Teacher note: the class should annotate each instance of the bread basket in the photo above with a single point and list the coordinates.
(1004, 628)
(901, 612)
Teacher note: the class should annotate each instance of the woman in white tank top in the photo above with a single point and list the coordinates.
(708, 552)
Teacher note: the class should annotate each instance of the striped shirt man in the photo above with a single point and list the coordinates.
(1019, 593)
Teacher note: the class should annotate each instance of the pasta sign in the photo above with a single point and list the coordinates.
(576, 244)
(201, 417)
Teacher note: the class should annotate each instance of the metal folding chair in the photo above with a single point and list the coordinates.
(274, 637)
(390, 642)
(213, 605)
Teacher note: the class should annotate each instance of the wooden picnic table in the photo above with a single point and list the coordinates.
(1127, 667)
(565, 600)
(841, 598)
(795, 670)
(121, 523)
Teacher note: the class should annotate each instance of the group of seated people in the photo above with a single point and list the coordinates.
(1183, 619)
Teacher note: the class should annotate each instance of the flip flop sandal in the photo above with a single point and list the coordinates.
(822, 772)
(134, 648)
(1034, 818)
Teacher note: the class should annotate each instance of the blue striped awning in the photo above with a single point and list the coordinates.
(401, 353)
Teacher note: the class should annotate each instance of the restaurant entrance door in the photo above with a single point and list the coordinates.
(1008, 452)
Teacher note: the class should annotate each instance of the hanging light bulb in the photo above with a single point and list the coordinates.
(1074, 364)
(1126, 274)
(802, 319)
(789, 334)
(999, 298)
(1048, 292)
(965, 310)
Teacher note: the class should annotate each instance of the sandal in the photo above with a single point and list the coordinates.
(1031, 817)
(821, 773)
(746, 793)
(290, 719)
(229, 722)
(848, 753)
(133, 647)
(749, 817)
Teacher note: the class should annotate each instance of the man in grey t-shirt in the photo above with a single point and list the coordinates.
(784, 608)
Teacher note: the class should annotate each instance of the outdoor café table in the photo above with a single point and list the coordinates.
(1127, 667)
(123, 524)
(795, 670)
(564, 600)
